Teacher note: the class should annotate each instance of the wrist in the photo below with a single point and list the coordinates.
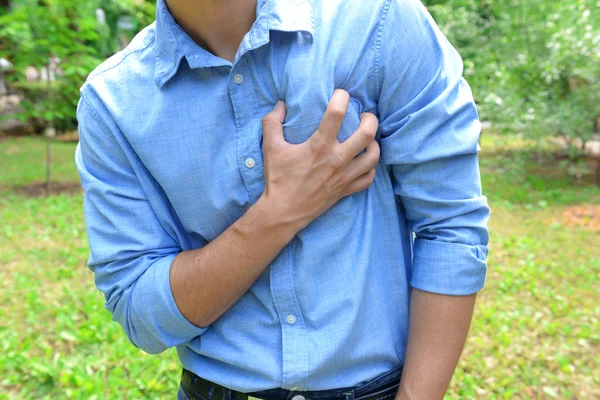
(275, 220)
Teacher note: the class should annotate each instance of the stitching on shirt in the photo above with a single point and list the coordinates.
(124, 56)
(258, 133)
(269, 11)
(99, 120)
(384, 13)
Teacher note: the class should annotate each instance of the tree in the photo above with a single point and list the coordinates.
(534, 65)
(35, 30)
(537, 59)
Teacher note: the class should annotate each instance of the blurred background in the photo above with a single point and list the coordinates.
(534, 67)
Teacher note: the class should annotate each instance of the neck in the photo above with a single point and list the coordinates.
(216, 25)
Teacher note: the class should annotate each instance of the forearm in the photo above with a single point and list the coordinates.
(301, 182)
(206, 282)
(437, 332)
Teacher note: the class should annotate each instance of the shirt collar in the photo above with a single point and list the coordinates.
(173, 44)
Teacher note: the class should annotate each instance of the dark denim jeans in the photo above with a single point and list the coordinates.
(355, 393)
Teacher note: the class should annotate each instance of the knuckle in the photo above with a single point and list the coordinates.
(345, 179)
(337, 113)
(269, 124)
(266, 124)
(362, 186)
(337, 162)
(317, 144)
(368, 134)
(267, 119)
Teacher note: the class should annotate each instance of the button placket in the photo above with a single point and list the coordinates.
(249, 155)
(293, 329)
(242, 94)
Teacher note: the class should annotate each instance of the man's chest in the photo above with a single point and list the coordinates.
(201, 137)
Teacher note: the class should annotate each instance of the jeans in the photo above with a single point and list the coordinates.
(366, 390)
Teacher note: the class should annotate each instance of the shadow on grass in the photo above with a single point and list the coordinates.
(40, 189)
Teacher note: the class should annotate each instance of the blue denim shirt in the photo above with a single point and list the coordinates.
(170, 156)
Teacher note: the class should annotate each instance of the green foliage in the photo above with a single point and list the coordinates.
(110, 40)
(31, 33)
(34, 30)
(534, 65)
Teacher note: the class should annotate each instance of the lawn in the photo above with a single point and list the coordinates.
(536, 333)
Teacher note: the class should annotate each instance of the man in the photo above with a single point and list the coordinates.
(277, 254)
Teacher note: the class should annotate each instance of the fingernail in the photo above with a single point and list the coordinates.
(279, 105)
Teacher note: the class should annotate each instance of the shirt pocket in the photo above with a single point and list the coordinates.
(296, 134)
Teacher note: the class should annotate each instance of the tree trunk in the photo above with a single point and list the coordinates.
(48, 164)
(598, 170)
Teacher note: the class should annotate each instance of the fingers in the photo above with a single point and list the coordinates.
(361, 137)
(362, 164)
(361, 183)
(334, 116)
(272, 125)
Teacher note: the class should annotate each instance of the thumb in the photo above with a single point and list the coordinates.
(272, 125)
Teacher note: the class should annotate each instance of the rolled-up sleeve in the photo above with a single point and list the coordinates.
(429, 139)
(131, 253)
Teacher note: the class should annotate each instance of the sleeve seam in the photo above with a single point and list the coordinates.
(98, 119)
(378, 41)
(479, 247)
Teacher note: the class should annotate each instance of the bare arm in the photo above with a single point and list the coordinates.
(429, 133)
(208, 281)
(302, 182)
(438, 328)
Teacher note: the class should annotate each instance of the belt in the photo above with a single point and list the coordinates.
(384, 387)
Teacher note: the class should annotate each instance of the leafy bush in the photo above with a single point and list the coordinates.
(34, 30)
(534, 65)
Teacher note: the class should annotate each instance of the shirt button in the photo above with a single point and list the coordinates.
(298, 397)
(238, 78)
(250, 163)
(291, 319)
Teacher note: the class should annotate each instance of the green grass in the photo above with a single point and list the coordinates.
(23, 161)
(536, 333)
(516, 173)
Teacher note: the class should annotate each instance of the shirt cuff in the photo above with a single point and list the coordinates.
(448, 268)
(155, 309)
